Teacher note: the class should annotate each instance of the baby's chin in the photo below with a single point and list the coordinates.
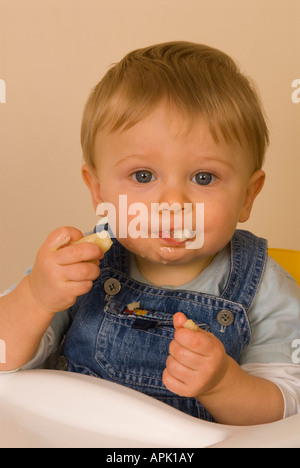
(155, 251)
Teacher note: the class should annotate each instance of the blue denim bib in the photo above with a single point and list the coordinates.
(107, 340)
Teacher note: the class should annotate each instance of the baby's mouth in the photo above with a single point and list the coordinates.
(178, 235)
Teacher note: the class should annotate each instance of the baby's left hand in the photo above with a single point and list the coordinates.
(197, 362)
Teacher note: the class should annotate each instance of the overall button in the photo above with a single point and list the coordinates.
(62, 363)
(112, 286)
(225, 318)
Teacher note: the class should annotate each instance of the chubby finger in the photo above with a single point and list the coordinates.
(202, 342)
(185, 356)
(188, 339)
(178, 370)
(85, 252)
(175, 385)
(62, 236)
(78, 288)
(179, 320)
(84, 271)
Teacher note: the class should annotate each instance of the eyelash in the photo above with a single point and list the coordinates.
(212, 178)
(140, 173)
(143, 172)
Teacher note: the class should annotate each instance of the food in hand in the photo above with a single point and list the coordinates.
(102, 239)
(190, 325)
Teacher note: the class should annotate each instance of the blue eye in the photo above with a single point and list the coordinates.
(204, 178)
(143, 177)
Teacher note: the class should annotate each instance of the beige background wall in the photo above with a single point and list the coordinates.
(52, 52)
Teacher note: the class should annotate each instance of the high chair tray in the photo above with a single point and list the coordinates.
(44, 409)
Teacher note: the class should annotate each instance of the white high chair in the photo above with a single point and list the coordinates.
(54, 409)
(44, 409)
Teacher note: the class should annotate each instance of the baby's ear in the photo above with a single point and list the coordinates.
(92, 182)
(255, 185)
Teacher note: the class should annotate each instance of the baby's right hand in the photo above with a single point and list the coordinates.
(60, 275)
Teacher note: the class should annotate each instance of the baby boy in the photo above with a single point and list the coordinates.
(177, 129)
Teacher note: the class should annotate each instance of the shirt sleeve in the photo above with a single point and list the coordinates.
(51, 339)
(274, 317)
(275, 326)
(287, 378)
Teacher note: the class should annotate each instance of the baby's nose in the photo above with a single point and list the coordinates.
(173, 196)
(175, 207)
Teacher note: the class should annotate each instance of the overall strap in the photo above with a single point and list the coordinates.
(117, 258)
(248, 259)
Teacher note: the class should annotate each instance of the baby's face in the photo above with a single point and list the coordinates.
(162, 160)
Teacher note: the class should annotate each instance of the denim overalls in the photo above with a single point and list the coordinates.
(109, 341)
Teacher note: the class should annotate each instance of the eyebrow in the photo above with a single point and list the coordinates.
(219, 161)
(131, 156)
(204, 159)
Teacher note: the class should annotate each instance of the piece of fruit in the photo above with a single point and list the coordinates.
(101, 238)
(190, 325)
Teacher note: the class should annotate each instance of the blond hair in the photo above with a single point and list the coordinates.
(198, 79)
